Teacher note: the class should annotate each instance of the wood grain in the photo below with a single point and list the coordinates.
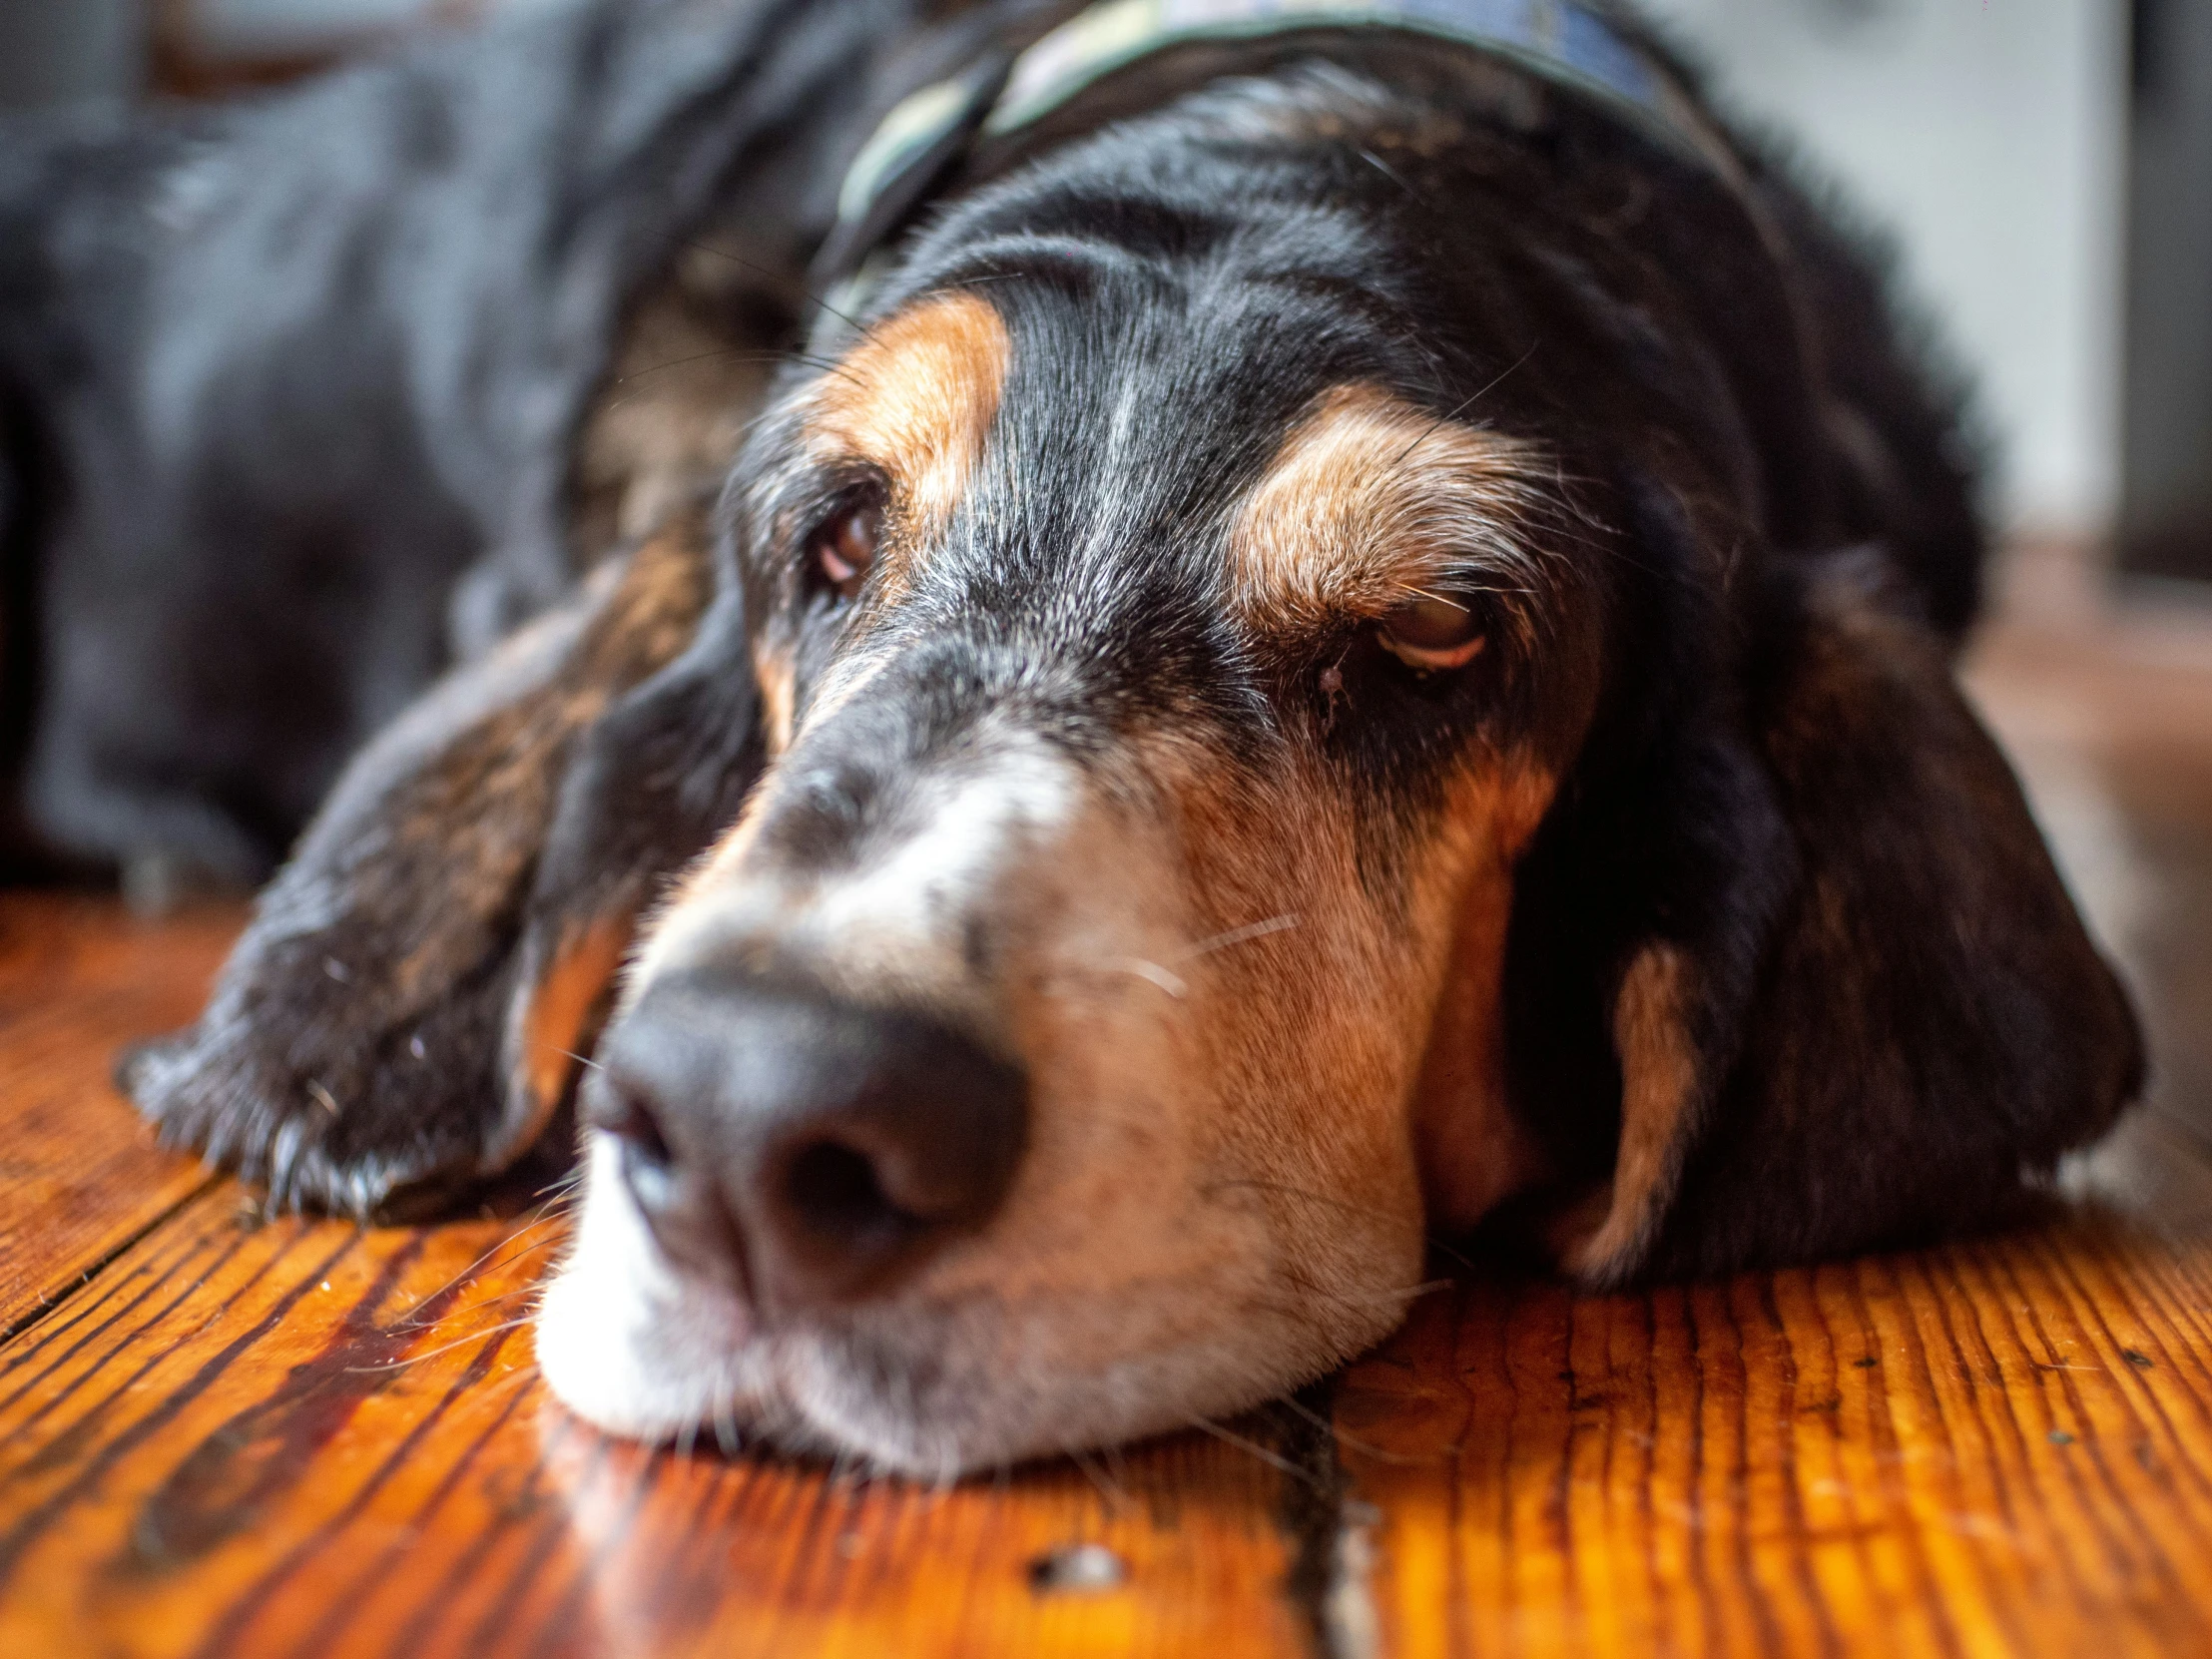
(1990, 1449)
(306, 1439)
(223, 1438)
(79, 1174)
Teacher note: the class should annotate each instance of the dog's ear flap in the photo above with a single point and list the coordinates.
(353, 1042)
(1866, 1011)
(655, 781)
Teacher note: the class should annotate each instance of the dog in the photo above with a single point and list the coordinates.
(1337, 627)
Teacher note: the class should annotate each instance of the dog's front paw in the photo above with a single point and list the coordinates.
(327, 1075)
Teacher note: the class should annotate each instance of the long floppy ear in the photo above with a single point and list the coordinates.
(1849, 1002)
(653, 783)
(363, 1038)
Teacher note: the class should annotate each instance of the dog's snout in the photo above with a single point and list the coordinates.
(806, 1148)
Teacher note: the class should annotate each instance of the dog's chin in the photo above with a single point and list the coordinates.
(927, 1389)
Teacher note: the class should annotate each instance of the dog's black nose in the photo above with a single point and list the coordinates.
(805, 1148)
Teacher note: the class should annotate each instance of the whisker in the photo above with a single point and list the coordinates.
(1117, 1465)
(1109, 1492)
(734, 354)
(487, 1263)
(1274, 1460)
(1309, 1197)
(766, 271)
(1465, 403)
(491, 1250)
(1339, 1437)
(492, 1391)
(1168, 981)
(491, 1301)
(1310, 1305)
(1444, 599)
(1238, 935)
(742, 353)
(1389, 172)
(564, 1184)
(1380, 1299)
(446, 1348)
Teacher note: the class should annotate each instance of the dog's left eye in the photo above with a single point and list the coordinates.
(1432, 633)
(843, 546)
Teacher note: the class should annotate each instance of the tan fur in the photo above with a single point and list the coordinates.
(777, 676)
(1659, 1082)
(916, 400)
(565, 1005)
(1370, 500)
(1474, 1150)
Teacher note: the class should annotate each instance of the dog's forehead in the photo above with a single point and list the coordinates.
(1121, 449)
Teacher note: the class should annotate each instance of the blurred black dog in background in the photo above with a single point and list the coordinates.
(291, 390)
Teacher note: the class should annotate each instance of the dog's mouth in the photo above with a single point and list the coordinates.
(931, 1385)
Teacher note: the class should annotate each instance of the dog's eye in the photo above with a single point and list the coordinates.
(1432, 633)
(844, 545)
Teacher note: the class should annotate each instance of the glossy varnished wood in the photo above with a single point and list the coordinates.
(304, 1438)
(220, 1436)
(1995, 1449)
(79, 1175)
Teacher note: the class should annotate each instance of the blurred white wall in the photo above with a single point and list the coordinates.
(1991, 134)
(56, 52)
(272, 27)
(279, 28)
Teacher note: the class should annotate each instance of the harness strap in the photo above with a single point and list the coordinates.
(1560, 42)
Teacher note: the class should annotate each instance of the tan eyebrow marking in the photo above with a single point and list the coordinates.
(917, 398)
(1370, 502)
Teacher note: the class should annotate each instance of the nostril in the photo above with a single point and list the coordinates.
(625, 1114)
(814, 1148)
(836, 1193)
(648, 1161)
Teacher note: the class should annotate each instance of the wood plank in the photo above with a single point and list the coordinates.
(306, 1439)
(2003, 1447)
(80, 1175)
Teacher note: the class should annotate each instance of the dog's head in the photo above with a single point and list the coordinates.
(1222, 740)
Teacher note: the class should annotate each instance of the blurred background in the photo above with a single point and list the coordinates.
(2045, 170)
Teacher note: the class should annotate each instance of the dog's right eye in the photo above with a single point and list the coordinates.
(843, 546)
(1431, 631)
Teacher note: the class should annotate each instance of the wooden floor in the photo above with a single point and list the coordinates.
(220, 1438)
